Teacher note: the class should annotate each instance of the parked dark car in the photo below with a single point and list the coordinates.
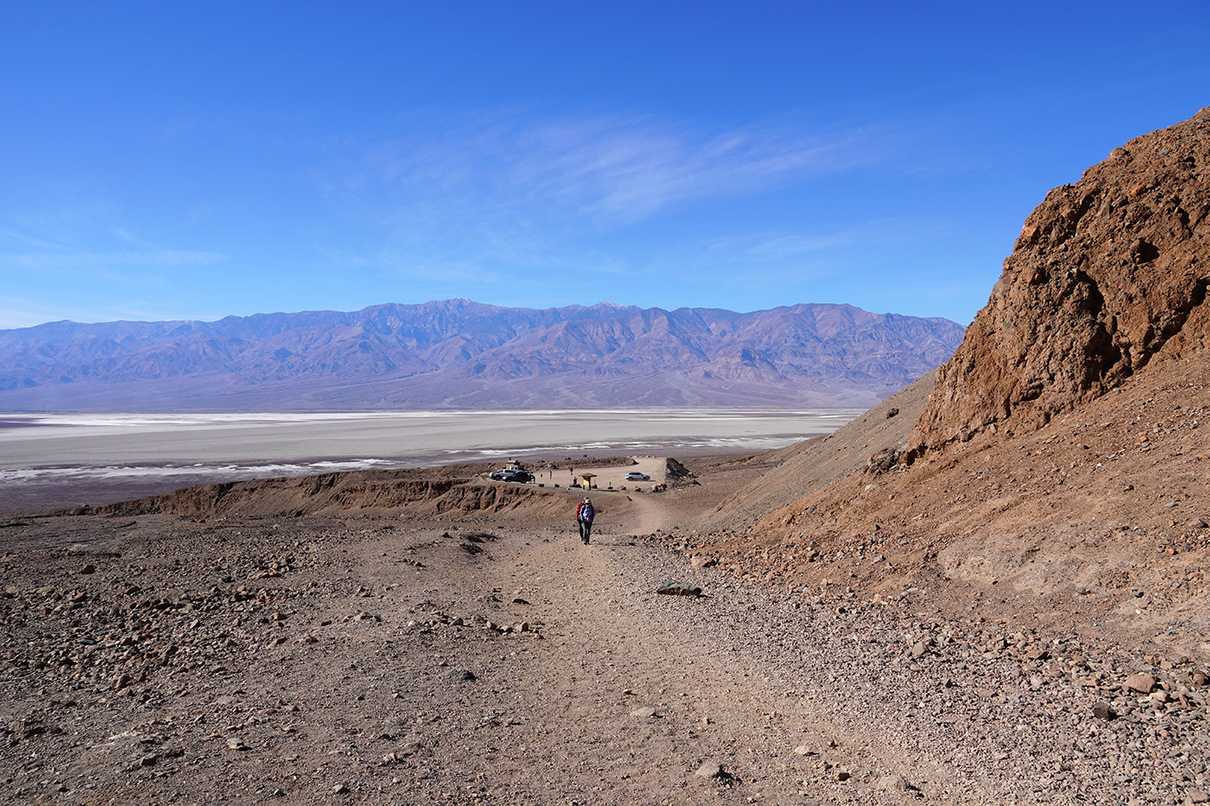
(518, 476)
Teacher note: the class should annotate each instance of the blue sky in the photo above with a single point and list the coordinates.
(162, 162)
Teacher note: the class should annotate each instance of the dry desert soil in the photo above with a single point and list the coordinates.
(309, 641)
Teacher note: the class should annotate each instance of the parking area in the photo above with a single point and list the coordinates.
(609, 477)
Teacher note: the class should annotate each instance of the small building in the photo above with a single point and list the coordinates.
(585, 480)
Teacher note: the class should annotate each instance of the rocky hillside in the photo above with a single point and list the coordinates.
(459, 353)
(1107, 276)
(1056, 475)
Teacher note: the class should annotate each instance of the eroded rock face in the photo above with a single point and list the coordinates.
(1108, 275)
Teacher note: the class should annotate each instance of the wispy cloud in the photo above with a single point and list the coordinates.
(23, 249)
(605, 170)
(481, 200)
(779, 246)
(156, 258)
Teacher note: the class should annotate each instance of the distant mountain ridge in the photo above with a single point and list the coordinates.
(463, 354)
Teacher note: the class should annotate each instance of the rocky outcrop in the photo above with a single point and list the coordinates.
(338, 493)
(1108, 276)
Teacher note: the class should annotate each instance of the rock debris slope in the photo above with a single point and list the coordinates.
(1058, 471)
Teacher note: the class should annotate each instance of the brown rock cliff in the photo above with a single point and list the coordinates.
(1108, 275)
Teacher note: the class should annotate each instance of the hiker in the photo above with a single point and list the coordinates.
(584, 515)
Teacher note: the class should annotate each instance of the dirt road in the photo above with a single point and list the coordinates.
(369, 660)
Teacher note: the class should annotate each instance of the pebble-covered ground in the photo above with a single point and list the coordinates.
(386, 661)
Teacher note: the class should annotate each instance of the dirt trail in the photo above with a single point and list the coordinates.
(638, 693)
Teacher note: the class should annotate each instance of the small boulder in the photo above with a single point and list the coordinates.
(673, 588)
(883, 461)
(392, 727)
(1141, 682)
(711, 770)
(1102, 710)
(898, 785)
(646, 712)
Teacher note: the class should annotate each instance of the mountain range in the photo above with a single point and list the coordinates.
(462, 354)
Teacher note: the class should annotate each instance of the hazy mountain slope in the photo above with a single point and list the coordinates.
(462, 353)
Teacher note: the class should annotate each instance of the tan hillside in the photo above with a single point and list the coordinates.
(813, 464)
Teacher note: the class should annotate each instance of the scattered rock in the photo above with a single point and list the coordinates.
(1141, 682)
(462, 676)
(883, 461)
(1196, 796)
(673, 588)
(898, 785)
(646, 712)
(392, 727)
(1102, 710)
(892, 412)
(803, 750)
(340, 789)
(235, 743)
(711, 770)
(88, 569)
(1197, 678)
(699, 562)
